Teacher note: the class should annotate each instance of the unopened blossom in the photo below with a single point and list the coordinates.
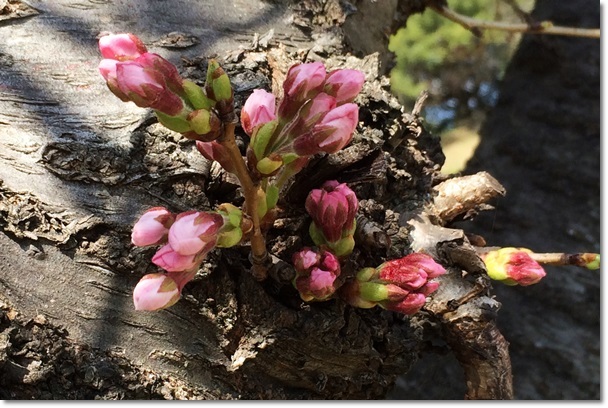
(344, 84)
(303, 81)
(172, 261)
(152, 227)
(400, 285)
(513, 266)
(155, 291)
(331, 134)
(133, 74)
(194, 232)
(258, 110)
(316, 272)
(215, 151)
(121, 47)
(333, 208)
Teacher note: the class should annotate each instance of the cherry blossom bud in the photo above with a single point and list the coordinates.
(152, 227)
(344, 84)
(215, 151)
(331, 134)
(513, 266)
(194, 232)
(316, 272)
(258, 110)
(218, 88)
(303, 81)
(121, 47)
(155, 291)
(400, 285)
(170, 260)
(147, 88)
(333, 208)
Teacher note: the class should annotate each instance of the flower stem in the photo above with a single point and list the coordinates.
(250, 191)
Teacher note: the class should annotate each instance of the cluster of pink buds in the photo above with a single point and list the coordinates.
(150, 81)
(513, 266)
(401, 285)
(316, 273)
(186, 239)
(333, 208)
(315, 115)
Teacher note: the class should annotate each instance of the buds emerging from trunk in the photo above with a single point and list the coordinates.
(333, 208)
(316, 272)
(513, 266)
(400, 285)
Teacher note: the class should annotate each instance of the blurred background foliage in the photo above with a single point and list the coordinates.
(459, 70)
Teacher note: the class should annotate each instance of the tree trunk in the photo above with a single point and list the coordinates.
(78, 167)
(542, 142)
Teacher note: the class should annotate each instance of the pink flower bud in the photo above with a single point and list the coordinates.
(344, 84)
(513, 266)
(410, 272)
(331, 134)
(316, 272)
(147, 88)
(155, 291)
(258, 110)
(410, 305)
(215, 151)
(152, 227)
(121, 47)
(400, 285)
(170, 260)
(303, 81)
(333, 208)
(194, 232)
(166, 69)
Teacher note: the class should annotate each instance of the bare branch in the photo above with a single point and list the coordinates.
(544, 27)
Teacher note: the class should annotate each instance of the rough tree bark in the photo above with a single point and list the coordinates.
(542, 142)
(78, 167)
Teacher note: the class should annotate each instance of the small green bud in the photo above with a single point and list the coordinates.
(218, 84)
(196, 96)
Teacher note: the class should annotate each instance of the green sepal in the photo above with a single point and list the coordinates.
(175, 123)
(200, 121)
(230, 238)
(262, 204)
(267, 166)
(261, 137)
(342, 247)
(317, 235)
(196, 96)
(367, 274)
(272, 196)
(289, 157)
(373, 292)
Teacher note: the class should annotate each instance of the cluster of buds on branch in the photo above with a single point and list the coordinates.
(316, 114)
